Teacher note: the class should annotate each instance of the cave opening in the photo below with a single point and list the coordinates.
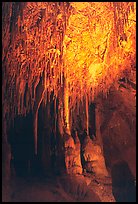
(69, 101)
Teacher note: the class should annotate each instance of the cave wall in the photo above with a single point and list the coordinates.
(118, 127)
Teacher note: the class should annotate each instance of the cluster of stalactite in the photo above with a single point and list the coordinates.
(93, 54)
(63, 52)
(33, 35)
(32, 52)
(121, 15)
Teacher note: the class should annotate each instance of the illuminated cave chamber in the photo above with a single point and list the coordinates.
(68, 87)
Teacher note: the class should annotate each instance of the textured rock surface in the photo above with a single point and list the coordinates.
(93, 158)
(64, 189)
(72, 155)
(77, 187)
(118, 128)
(90, 45)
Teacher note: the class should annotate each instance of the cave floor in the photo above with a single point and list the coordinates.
(102, 186)
(50, 190)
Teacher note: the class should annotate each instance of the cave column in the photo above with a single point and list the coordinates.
(71, 149)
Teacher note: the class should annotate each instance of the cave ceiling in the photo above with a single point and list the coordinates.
(91, 44)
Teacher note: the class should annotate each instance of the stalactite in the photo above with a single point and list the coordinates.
(55, 114)
(60, 113)
(42, 48)
(35, 125)
(66, 103)
(35, 121)
(87, 113)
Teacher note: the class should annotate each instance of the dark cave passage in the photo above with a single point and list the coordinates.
(123, 182)
(21, 140)
(24, 162)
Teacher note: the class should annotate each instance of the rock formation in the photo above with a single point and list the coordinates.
(66, 69)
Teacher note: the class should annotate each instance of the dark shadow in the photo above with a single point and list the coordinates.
(20, 138)
(123, 183)
(92, 125)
